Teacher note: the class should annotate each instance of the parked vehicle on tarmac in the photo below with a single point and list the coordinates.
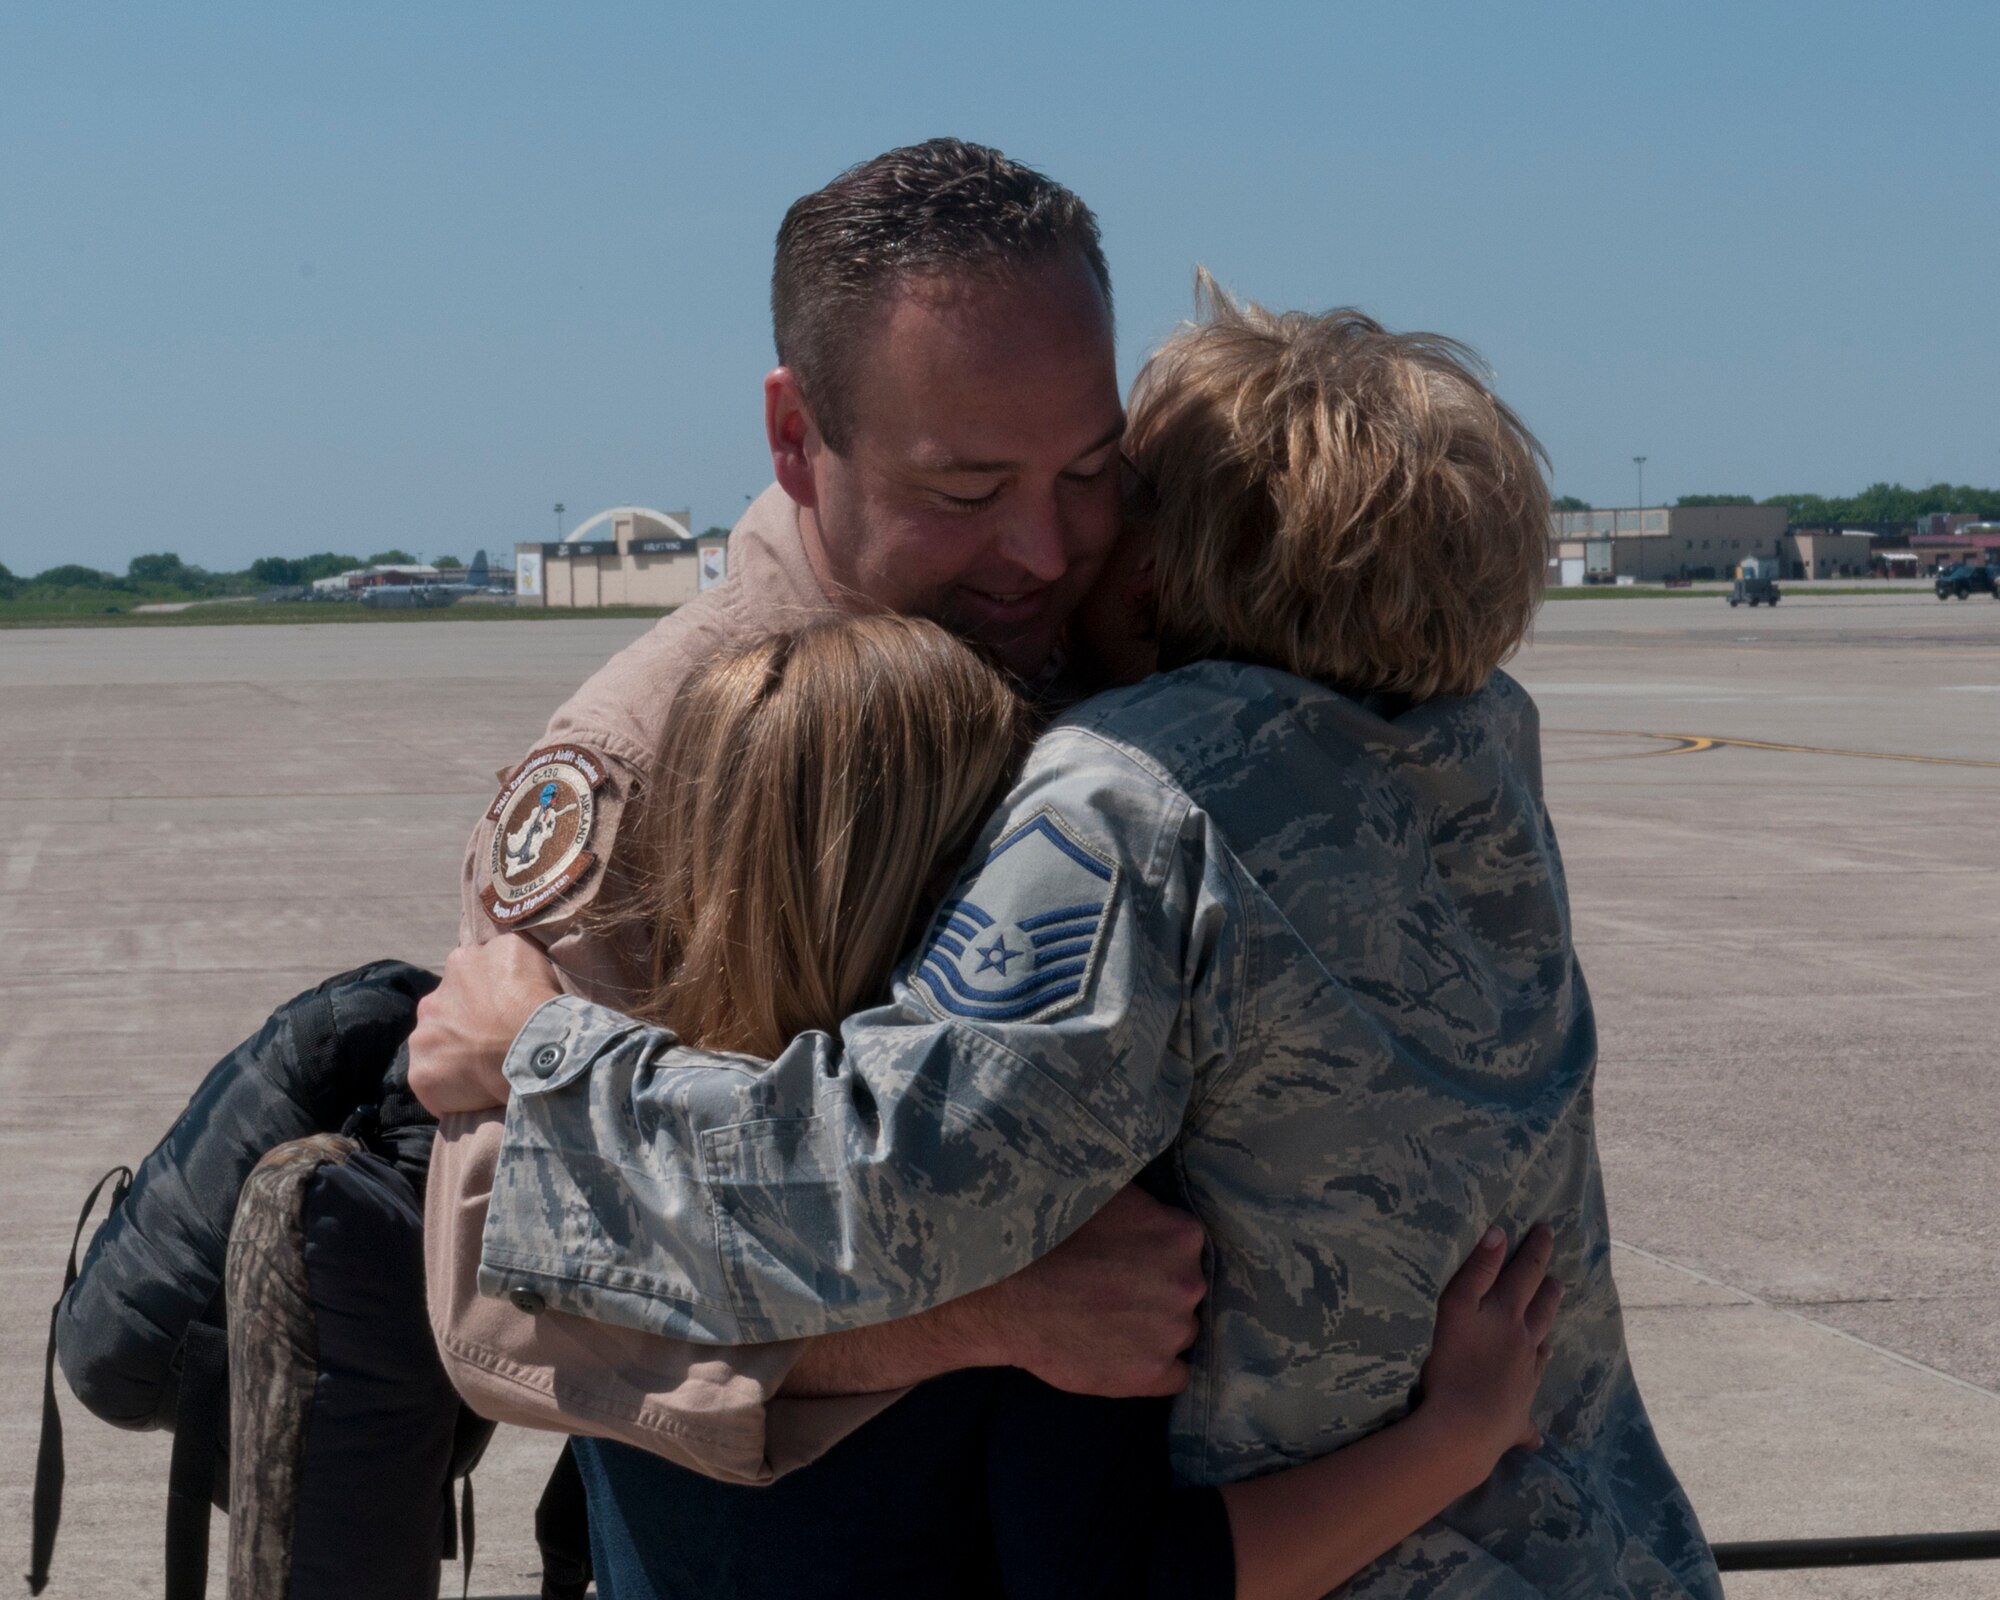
(1754, 592)
(1955, 583)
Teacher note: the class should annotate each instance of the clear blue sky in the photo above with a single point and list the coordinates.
(281, 279)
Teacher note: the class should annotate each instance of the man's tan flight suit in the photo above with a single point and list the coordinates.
(715, 1409)
(620, 715)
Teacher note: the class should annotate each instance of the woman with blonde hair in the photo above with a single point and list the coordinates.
(1281, 924)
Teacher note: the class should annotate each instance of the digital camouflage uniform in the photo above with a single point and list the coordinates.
(1311, 965)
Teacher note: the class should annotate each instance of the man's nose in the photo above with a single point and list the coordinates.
(1036, 540)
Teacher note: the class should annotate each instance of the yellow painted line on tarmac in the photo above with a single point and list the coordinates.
(1688, 744)
(1681, 744)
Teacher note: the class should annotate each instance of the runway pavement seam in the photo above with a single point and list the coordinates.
(1755, 1300)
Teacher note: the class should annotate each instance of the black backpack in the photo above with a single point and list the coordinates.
(140, 1328)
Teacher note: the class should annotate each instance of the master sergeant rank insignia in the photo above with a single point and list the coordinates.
(541, 831)
(1019, 944)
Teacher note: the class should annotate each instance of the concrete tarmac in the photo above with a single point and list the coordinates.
(1791, 938)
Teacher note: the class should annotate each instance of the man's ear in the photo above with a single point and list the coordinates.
(792, 434)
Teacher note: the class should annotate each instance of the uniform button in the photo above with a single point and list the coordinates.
(526, 1299)
(547, 1059)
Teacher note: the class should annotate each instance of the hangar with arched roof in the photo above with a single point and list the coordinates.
(622, 556)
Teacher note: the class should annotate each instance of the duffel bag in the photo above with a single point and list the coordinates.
(140, 1328)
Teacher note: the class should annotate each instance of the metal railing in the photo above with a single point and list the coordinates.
(1881, 1550)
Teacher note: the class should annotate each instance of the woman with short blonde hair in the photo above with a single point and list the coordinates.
(1350, 504)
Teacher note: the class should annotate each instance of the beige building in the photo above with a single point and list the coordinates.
(626, 556)
(1823, 553)
(1653, 543)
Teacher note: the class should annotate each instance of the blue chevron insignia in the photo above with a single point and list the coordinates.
(1020, 942)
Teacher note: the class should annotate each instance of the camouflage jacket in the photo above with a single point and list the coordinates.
(1311, 964)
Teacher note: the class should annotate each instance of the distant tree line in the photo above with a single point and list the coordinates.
(1879, 502)
(166, 577)
(141, 573)
(282, 572)
(1890, 502)
(166, 573)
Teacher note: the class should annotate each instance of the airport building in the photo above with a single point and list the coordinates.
(362, 579)
(626, 556)
(1945, 524)
(1650, 544)
(1829, 553)
(1970, 544)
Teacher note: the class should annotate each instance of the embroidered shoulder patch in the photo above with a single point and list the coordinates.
(1019, 944)
(542, 822)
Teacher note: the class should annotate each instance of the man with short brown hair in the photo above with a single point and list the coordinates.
(943, 426)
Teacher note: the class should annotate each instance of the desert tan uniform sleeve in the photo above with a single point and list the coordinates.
(614, 722)
(593, 959)
(713, 1409)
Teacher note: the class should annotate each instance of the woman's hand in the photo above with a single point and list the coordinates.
(466, 1025)
(1308, 1529)
(1491, 1349)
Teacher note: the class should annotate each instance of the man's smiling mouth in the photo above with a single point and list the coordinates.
(1011, 605)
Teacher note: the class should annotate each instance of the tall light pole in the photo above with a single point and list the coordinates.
(1640, 463)
(559, 515)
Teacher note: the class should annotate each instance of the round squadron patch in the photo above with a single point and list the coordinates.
(541, 832)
